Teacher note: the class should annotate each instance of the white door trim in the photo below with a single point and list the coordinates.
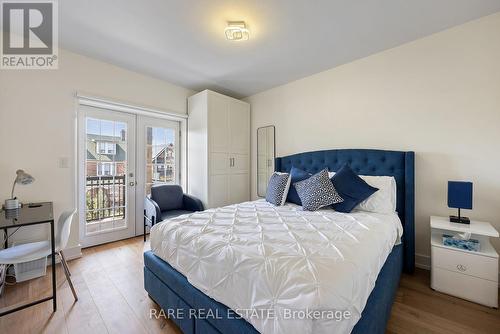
(100, 102)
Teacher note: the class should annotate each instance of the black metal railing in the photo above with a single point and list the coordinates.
(105, 197)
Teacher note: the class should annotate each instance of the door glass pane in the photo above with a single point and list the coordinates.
(160, 156)
(105, 172)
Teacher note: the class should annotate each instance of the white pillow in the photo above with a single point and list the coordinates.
(384, 199)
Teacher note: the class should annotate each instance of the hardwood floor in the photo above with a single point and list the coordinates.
(109, 283)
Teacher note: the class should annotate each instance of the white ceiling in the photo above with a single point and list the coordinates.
(182, 41)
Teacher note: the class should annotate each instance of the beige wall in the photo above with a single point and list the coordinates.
(38, 115)
(438, 96)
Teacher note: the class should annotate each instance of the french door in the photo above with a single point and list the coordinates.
(158, 158)
(121, 155)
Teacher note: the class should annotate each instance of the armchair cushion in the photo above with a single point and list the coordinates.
(167, 196)
(173, 213)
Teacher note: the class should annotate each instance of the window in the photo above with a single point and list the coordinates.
(105, 169)
(160, 153)
(104, 147)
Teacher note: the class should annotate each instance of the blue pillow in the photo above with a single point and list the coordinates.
(351, 188)
(296, 175)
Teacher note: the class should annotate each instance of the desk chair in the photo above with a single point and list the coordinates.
(40, 249)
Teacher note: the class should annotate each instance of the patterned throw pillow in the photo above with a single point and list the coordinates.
(317, 191)
(277, 188)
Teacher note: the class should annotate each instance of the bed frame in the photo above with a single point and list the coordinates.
(178, 298)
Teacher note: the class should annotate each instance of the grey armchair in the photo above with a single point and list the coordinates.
(168, 201)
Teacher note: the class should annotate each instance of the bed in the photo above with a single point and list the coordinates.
(228, 261)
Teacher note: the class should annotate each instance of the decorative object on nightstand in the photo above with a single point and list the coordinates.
(468, 274)
(22, 178)
(460, 197)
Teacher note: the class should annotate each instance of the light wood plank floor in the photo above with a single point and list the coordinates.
(109, 282)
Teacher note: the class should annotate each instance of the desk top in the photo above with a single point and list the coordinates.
(28, 214)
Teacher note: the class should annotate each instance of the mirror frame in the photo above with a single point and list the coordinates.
(257, 155)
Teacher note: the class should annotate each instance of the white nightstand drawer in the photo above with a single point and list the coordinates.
(465, 263)
(467, 287)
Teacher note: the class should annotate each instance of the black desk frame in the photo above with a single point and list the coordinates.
(53, 261)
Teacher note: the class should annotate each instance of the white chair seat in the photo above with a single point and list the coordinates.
(40, 249)
(25, 252)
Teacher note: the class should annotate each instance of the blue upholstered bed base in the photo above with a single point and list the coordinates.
(172, 291)
(180, 299)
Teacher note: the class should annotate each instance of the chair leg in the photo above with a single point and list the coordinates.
(68, 278)
(63, 260)
(144, 217)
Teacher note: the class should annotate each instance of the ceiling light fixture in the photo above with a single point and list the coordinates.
(236, 31)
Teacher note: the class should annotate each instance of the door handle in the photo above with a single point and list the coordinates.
(132, 183)
(231, 162)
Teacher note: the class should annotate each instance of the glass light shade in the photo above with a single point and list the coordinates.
(237, 31)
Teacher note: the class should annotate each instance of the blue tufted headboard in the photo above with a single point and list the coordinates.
(399, 164)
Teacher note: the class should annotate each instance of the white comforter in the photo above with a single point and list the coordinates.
(270, 263)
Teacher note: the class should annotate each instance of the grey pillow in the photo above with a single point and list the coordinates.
(277, 188)
(317, 191)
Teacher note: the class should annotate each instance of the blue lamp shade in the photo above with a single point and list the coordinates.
(460, 195)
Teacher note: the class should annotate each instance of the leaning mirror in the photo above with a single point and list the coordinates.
(265, 157)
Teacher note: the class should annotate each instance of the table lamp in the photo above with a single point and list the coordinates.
(460, 197)
(22, 178)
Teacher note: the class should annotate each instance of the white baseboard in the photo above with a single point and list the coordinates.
(70, 253)
(423, 261)
(73, 252)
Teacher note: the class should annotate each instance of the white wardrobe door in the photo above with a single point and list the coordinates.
(239, 179)
(241, 163)
(238, 188)
(219, 191)
(219, 163)
(239, 127)
(218, 123)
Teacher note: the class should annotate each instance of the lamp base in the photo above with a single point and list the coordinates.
(11, 204)
(460, 220)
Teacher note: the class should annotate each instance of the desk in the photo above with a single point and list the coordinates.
(30, 215)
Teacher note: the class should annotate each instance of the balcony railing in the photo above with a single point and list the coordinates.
(105, 197)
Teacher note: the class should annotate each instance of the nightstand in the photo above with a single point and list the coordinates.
(466, 274)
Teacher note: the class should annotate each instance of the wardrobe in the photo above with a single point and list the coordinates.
(218, 149)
